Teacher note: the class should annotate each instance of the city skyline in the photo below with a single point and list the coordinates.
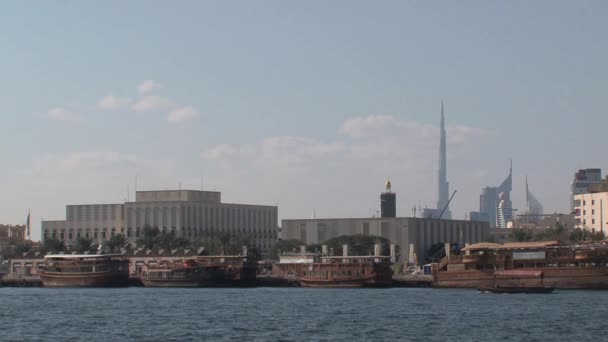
(312, 117)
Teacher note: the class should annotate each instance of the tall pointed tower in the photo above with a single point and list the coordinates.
(443, 185)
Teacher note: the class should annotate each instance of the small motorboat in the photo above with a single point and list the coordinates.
(514, 289)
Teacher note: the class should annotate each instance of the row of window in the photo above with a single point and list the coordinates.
(94, 212)
(199, 216)
(189, 232)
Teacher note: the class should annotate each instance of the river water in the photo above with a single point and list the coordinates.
(298, 314)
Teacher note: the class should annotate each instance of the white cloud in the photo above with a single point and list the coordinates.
(112, 102)
(345, 174)
(61, 114)
(148, 86)
(152, 103)
(182, 114)
(51, 181)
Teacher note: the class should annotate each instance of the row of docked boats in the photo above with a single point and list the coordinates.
(111, 270)
(208, 271)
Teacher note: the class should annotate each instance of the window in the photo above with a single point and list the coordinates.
(322, 232)
(592, 211)
(592, 202)
(365, 228)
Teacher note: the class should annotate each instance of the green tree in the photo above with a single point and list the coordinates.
(52, 245)
(170, 241)
(148, 237)
(84, 245)
(115, 243)
(23, 247)
(435, 252)
(522, 235)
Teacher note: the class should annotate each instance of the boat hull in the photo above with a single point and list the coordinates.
(202, 277)
(345, 283)
(90, 279)
(559, 278)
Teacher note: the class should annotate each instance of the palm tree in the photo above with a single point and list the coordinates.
(83, 245)
(115, 243)
(148, 237)
(53, 245)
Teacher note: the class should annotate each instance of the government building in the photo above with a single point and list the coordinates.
(412, 235)
(185, 213)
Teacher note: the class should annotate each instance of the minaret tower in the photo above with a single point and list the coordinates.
(388, 201)
(443, 186)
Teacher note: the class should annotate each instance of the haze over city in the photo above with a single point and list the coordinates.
(310, 106)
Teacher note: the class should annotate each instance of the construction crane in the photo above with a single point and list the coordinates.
(446, 205)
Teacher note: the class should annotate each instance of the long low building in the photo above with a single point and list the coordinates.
(419, 233)
(185, 213)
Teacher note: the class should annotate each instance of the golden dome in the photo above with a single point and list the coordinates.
(388, 185)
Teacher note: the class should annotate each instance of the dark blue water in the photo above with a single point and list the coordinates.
(297, 314)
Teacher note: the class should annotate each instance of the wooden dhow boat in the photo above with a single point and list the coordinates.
(84, 270)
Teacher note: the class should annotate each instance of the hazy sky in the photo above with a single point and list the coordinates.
(308, 104)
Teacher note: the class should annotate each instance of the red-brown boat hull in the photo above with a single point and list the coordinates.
(90, 279)
(559, 278)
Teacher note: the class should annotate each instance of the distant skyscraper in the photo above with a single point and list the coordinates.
(495, 202)
(534, 207)
(581, 182)
(443, 186)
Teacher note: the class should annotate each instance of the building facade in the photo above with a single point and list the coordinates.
(185, 213)
(591, 211)
(11, 234)
(419, 233)
(583, 179)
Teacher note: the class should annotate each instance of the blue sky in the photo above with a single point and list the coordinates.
(310, 105)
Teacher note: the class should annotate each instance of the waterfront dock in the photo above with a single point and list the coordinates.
(408, 280)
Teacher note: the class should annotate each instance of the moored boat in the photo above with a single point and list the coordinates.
(349, 272)
(207, 271)
(485, 265)
(83, 270)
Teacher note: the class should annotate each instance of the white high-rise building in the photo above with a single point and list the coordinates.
(591, 211)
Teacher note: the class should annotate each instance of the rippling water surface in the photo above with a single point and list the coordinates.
(298, 314)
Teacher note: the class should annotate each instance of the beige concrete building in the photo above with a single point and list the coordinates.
(186, 213)
(420, 233)
(591, 211)
(11, 234)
